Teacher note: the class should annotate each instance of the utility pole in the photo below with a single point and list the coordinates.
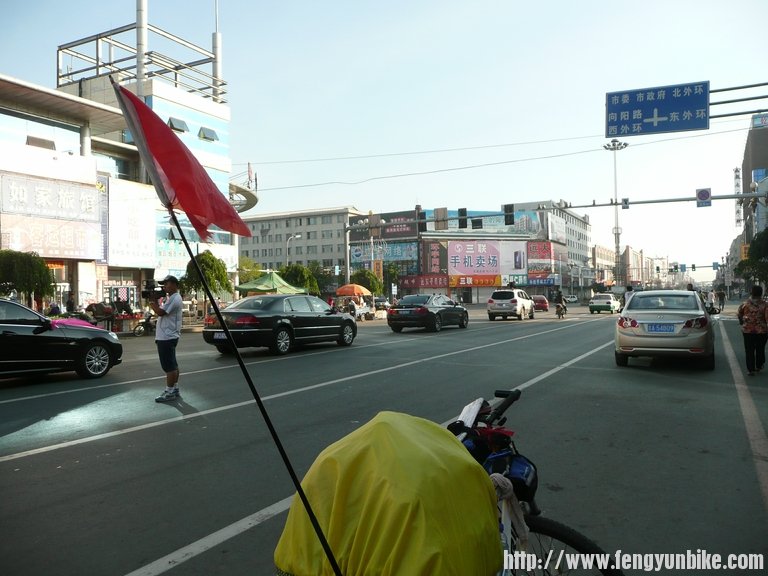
(614, 147)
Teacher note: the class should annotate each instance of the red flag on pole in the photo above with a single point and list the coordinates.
(179, 179)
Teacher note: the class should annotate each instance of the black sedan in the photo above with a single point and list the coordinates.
(431, 311)
(32, 343)
(279, 322)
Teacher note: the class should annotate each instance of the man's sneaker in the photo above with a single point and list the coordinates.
(168, 395)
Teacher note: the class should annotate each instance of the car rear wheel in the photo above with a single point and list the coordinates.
(397, 329)
(282, 342)
(491, 317)
(532, 315)
(94, 362)
(621, 359)
(464, 320)
(224, 349)
(347, 335)
(437, 323)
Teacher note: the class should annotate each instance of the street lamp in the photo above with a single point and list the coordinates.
(291, 237)
(614, 147)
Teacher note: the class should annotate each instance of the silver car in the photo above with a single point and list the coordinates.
(510, 302)
(665, 323)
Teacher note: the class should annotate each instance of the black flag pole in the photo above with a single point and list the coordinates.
(180, 181)
(260, 404)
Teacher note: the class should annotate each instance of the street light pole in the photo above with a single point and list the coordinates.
(291, 237)
(614, 147)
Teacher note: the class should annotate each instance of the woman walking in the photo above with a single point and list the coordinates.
(753, 317)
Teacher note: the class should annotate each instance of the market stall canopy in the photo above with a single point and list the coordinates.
(269, 283)
(352, 290)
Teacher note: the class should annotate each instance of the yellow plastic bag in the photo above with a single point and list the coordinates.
(400, 496)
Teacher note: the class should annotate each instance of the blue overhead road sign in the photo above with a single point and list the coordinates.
(675, 108)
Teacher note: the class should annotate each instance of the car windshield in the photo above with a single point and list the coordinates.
(663, 302)
(414, 300)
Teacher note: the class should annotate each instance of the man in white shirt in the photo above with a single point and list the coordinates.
(169, 312)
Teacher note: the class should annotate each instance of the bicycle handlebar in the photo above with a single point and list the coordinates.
(510, 397)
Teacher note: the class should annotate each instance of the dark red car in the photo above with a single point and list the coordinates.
(540, 303)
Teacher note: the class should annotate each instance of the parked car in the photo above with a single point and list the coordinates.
(605, 302)
(510, 302)
(540, 303)
(32, 343)
(430, 311)
(279, 322)
(665, 323)
(570, 299)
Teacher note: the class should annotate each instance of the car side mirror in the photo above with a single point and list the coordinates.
(44, 327)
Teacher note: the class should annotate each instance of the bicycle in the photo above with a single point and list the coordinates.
(482, 431)
(146, 326)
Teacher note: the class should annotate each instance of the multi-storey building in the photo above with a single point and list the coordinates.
(301, 237)
(71, 184)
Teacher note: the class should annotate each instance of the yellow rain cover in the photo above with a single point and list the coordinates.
(399, 496)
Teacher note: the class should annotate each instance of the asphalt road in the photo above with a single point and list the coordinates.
(98, 479)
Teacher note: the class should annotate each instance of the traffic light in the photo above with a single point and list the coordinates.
(693, 267)
(422, 218)
(658, 269)
(675, 268)
(462, 217)
(509, 214)
(477, 223)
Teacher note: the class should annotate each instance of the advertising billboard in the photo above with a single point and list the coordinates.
(540, 264)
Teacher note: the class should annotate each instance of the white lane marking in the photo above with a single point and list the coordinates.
(758, 442)
(201, 371)
(331, 350)
(149, 425)
(204, 544)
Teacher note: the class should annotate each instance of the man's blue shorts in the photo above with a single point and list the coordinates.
(166, 350)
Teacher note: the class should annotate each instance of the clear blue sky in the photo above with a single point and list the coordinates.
(518, 85)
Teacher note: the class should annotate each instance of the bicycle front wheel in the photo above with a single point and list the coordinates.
(560, 550)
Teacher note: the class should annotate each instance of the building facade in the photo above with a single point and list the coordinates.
(282, 238)
(71, 184)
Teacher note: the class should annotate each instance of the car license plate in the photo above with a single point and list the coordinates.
(404, 312)
(219, 336)
(663, 328)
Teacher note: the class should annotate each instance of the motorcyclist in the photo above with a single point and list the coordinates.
(560, 299)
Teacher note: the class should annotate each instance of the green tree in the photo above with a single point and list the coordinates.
(368, 279)
(215, 274)
(755, 267)
(248, 269)
(391, 274)
(301, 277)
(25, 272)
(323, 278)
(751, 271)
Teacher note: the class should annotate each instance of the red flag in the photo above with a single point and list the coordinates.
(179, 179)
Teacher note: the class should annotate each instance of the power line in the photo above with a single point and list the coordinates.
(467, 167)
